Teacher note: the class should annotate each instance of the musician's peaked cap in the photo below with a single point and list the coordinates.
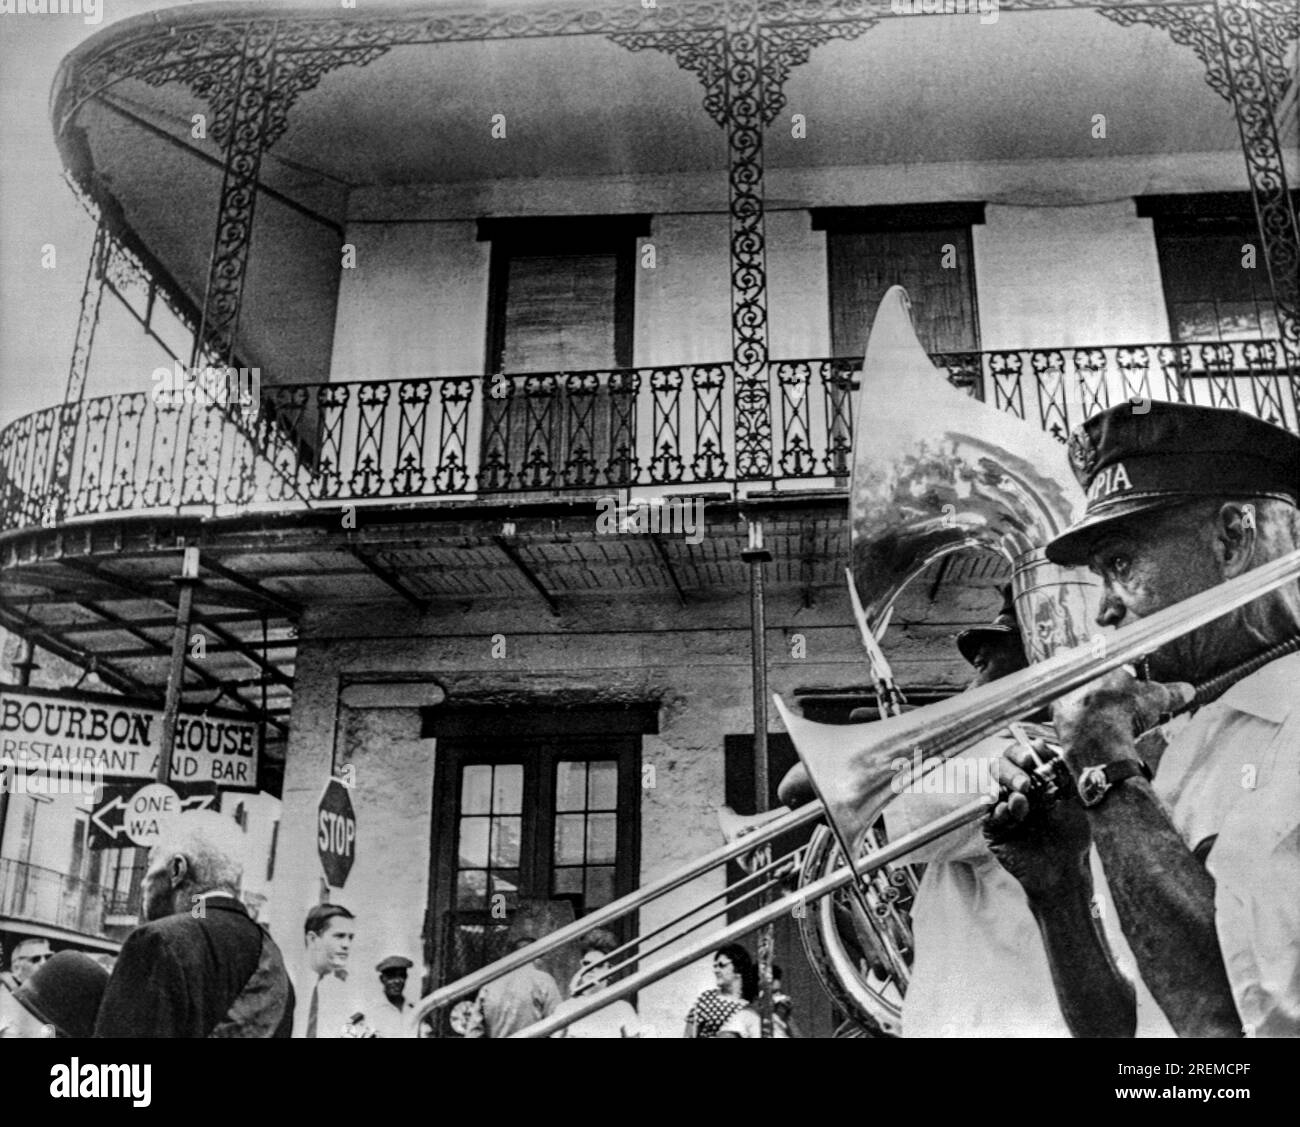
(1001, 629)
(1147, 454)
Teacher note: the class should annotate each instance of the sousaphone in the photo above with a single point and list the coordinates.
(935, 472)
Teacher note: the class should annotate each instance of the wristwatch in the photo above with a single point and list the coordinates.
(1095, 782)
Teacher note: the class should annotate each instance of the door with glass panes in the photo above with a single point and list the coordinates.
(546, 825)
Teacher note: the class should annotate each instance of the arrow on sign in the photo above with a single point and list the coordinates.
(114, 822)
(100, 817)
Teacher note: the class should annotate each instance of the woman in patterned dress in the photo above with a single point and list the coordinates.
(737, 985)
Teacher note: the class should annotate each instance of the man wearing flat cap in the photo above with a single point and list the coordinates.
(1202, 861)
(390, 1017)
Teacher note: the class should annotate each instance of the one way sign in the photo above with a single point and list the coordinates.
(110, 820)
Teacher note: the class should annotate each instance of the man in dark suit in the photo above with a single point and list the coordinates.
(200, 966)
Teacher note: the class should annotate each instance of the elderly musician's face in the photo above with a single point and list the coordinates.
(1149, 564)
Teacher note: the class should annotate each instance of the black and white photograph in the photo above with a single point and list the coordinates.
(647, 519)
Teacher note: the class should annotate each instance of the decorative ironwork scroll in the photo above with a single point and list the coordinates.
(1255, 91)
(744, 69)
(786, 46)
(744, 100)
(701, 52)
(1188, 26)
(205, 54)
(91, 295)
(1244, 49)
(245, 143)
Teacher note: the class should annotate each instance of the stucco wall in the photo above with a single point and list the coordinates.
(1061, 260)
(415, 303)
(683, 305)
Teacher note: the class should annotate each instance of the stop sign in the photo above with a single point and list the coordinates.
(336, 833)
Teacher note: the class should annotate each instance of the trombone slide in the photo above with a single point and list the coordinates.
(849, 766)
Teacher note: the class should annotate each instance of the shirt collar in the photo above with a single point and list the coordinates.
(1267, 693)
(222, 894)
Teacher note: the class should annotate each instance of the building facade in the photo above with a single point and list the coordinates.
(526, 316)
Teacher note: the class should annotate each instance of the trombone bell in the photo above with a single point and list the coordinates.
(850, 767)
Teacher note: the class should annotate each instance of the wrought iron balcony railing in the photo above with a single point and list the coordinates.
(47, 896)
(540, 433)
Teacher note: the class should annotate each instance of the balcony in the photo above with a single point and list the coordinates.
(680, 428)
(32, 894)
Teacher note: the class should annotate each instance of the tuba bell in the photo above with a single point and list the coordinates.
(935, 472)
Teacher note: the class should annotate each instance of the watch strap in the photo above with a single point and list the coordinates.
(1094, 783)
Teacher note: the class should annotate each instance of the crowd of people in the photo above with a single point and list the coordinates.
(200, 966)
(530, 994)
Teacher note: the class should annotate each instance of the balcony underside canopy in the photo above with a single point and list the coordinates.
(108, 593)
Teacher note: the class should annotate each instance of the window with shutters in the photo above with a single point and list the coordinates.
(927, 250)
(560, 320)
(1212, 267)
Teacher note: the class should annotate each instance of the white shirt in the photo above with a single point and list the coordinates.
(979, 968)
(618, 1019)
(748, 1024)
(386, 1019)
(1233, 769)
(337, 1002)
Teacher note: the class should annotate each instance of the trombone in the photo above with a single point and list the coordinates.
(854, 787)
(784, 822)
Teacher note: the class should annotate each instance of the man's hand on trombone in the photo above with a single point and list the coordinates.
(1040, 832)
(1040, 840)
(1100, 722)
